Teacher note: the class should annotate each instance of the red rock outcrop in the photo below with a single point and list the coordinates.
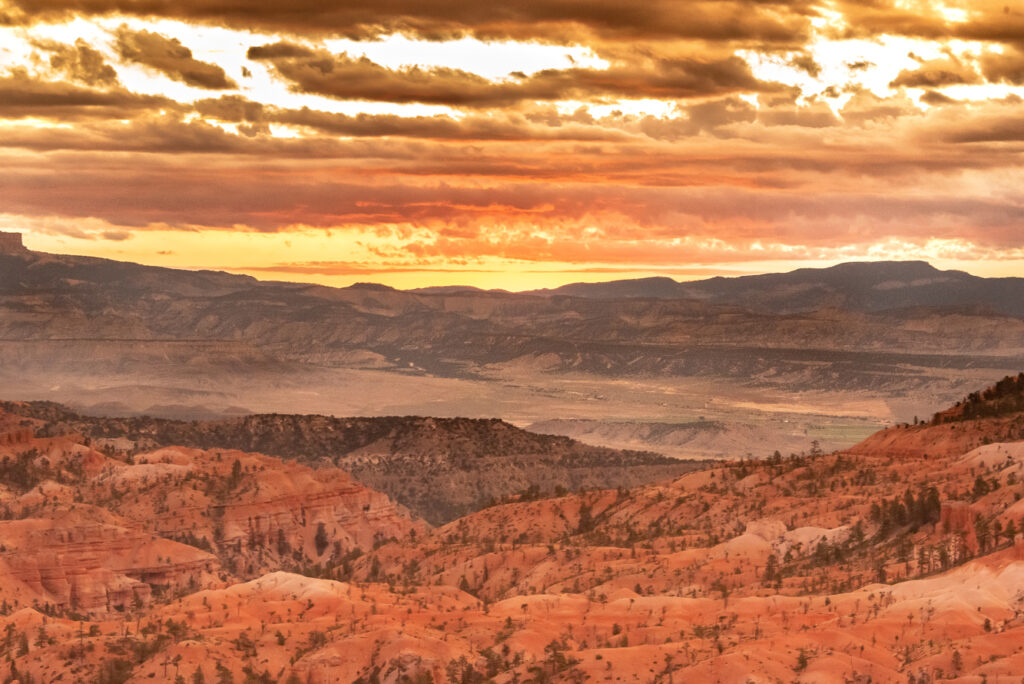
(251, 506)
(838, 567)
(958, 517)
(15, 437)
(73, 563)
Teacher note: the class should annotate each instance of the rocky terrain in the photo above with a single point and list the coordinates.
(894, 339)
(899, 560)
(84, 532)
(710, 438)
(707, 328)
(440, 468)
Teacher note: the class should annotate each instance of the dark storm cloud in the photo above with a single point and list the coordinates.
(170, 57)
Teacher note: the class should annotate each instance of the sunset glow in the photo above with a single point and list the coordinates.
(436, 143)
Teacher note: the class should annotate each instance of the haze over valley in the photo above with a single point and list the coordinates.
(698, 370)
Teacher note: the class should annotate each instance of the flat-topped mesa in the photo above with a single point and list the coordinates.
(11, 243)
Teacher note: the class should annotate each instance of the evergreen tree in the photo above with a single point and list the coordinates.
(321, 539)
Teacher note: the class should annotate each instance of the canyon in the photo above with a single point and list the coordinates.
(900, 559)
(813, 477)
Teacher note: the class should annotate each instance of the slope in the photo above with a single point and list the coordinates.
(440, 468)
(869, 565)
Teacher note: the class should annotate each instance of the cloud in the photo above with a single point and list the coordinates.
(496, 126)
(341, 268)
(358, 78)
(806, 63)
(259, 195)
(766, 21)
(865, 108)
(786, 112)
(937, 99)
(22, 95)
(279, 50)
(1005, 68)
(936, 74)
(338, 268)
(708, 116)
(171, 58)
(559, 164)
(994, 129)
(80, 62)
(169, 135)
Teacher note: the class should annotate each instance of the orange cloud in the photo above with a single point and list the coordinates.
(774, 21)
(682, 149)
(345, 77)
(170, 57)
(21, 96)
(80, 62)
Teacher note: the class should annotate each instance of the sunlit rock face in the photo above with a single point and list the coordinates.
(902, 555)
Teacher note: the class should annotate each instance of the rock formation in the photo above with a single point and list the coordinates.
(11, 244)
(882, 563)
(93, 568)
(461, 463)
(15, 437)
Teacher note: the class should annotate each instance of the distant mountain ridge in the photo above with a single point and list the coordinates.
(660, 287)
(854, 286)
(91, 331)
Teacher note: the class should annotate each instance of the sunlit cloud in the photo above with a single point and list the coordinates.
(414, 141)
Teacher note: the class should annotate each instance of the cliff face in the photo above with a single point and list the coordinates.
(959, 517)
(15, 437)
(96, 534)
(10, 243)
(256, 511)
(75, 564)
(901, 557)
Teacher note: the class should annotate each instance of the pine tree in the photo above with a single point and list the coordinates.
(321, 539)
(1010, 531)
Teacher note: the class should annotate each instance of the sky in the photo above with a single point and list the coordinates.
(520, 144)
